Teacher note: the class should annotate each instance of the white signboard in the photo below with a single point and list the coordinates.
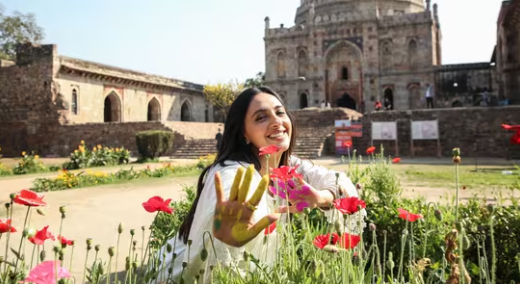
(384, 130)
(425, 130)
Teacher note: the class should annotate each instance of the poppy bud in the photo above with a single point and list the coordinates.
(211, 267)
(143, 228)
(127, 263)
(89, 241)
(62, 209)
(174, 256)
(30, 232)
(456, 152)
(245, 256)
(307, 211)
(89, 247)
(190, 242)
(337, 226)
(60, 255)
(466, 242)
(170, 270)
(120, 228)
(372, 226)
(184, 264)
(204, 254)
(62, 281)
(438, 214)
(358, 186)
(56, 249)
(43, 254)
(456, 159)
(111, 251)
(331, 248)
(168, 248)
(40, 212)
(132, 232)
(101, 269)
(12, 196)
(7, 205)
(134, 243)
(356, 260)
(134, 265)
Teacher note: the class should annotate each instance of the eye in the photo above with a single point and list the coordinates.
(260, 117)
(280, 112)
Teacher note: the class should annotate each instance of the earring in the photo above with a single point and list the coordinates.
(247, 141)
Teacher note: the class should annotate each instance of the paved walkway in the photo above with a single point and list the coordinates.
(96, 212)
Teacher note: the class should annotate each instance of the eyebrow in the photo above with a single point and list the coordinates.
(264, 109)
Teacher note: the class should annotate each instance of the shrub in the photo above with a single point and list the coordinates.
(83, 157)
(153, 144)
(205, 161)
(30, 163)
(4, 171)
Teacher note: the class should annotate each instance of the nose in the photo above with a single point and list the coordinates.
(276, 122)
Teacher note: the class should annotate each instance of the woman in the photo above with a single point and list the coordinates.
(257, 118)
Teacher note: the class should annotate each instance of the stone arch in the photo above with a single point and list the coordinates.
(280, 64)
(74, 101)
(388, 98)
(304, 100)
(154, 110)
(414, 96)
(386, 55)
(112, 108)
(186, 111)
(302, 63)
(338, 56)
(412, 54)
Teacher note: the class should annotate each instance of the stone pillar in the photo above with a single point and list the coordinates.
(428, 5)
(267, 23)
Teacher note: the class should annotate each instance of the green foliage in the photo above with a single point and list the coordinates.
(166, 226)
(257, 81)
(205, 161)
(17, 28)
(30, 163)
(221, 96)
(153, 144)
(99, 156)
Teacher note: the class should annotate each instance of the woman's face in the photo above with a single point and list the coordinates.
(267, 123)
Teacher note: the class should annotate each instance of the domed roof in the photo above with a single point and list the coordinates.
(366, 7)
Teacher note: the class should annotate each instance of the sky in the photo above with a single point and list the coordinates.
(215, 41)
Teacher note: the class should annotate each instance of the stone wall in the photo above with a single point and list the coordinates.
(476, 131)
(114, 134)
(195, 130)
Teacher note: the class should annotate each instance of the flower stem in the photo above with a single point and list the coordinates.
(456, 192)
(21, 239)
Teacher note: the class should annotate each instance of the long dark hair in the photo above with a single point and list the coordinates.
(233, 146)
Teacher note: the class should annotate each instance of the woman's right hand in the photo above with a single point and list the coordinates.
(232, 222)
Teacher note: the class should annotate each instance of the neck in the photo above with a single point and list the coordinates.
(274, 161)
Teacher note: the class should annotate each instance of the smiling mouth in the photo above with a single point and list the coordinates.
(277, 135)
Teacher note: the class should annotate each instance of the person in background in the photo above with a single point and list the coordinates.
(429, 95)
(218, 137)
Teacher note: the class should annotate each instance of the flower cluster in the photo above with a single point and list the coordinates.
(29, 163)
(83, 157)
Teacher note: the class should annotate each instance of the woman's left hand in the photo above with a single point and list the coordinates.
(302, 195)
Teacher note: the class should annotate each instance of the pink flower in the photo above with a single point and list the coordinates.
(44, 273)
(410, 217)
(268, 150)
(157, 203)
(294, 193)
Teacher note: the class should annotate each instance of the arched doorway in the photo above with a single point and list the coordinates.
(154, 110)
(347, 101)
(303, 101)
(112, 110)
(185, 111)
(388, 101)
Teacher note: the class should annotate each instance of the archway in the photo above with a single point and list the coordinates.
(343, 72)
(154, 110)
(388, 102)
(112, 111)
(185, 111)
(304, 102)
(347, 101)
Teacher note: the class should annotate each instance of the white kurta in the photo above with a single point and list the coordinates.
(318, 177)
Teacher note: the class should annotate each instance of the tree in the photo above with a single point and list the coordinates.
(256, 81)
(17, 28)
(221, 96)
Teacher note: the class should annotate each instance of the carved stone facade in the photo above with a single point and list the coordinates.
(352, 53)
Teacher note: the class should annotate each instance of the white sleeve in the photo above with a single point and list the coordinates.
(339, 184)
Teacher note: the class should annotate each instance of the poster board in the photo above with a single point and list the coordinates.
(384, 130)
(425, 130)
(345, 130)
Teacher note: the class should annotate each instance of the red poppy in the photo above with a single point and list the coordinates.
(410, 217)
(321, 241)
(41, 236)
(270, 229)
(515, 139)
(371, 150)
(268, 150)
(156, 203)
(511, 127)
(396, 160)
(349, 241)
(347, 144)
(65, 241)
(349, 205)
(285, 173)
(4, 227)
(29, 198)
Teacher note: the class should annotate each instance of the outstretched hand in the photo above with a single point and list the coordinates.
(232, 222)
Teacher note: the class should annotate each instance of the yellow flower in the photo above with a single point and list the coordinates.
(23, 153)
(36, 157)
(76, 151)
(99, 147)
(117, 150)
(82, 142)
(82, 149)
(94, 149)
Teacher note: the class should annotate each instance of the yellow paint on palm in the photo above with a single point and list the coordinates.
(246, 184)
(236, 184)
(242, 233)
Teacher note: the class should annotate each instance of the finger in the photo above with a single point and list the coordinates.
(218, 188)
(246, 183)
(260, 190)
(236, 184)
(254, 230)
(300, 181)
(282, 209)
